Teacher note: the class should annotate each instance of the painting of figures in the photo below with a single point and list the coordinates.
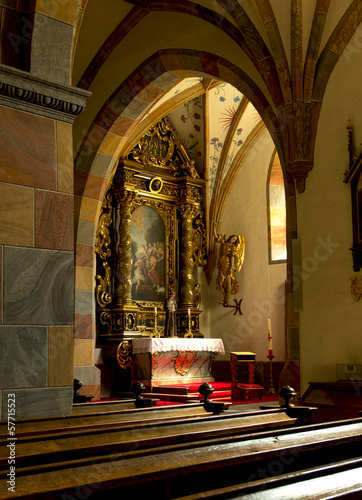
(148, 253)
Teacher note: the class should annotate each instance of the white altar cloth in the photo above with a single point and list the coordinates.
(155, 344)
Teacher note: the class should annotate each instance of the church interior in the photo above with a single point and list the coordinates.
(205, 150)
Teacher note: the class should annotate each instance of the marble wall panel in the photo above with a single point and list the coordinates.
(65, 157)
(54, 221)
(83, 326)
(50, 47)
(92, 186)
(84, 301)
(61, 351)
(86, 208)
(1, 284)
(100, 164)
(112, 145)
(84, 255)
(84, 278)
(64, 11)
(23, 356)
(41, 402)
(11, 19)
(28, 153)
(83, 352)
(38, 287)
(85, 232)
(17, 215)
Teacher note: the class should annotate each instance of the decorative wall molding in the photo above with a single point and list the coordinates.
(22, 91)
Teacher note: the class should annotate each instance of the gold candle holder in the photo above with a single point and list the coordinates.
(156, 332)
(189, 332)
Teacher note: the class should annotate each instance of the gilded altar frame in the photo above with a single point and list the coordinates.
(158, 174)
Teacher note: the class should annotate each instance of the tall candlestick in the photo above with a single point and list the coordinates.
(270, 345)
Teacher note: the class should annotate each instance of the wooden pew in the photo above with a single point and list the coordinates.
(126, 435)
(99, 417)
(51, 446)
(171, 468)
(340, 479)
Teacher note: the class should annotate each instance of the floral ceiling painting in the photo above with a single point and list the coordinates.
(219, 128)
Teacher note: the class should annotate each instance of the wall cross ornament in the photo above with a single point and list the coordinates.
(356, 288)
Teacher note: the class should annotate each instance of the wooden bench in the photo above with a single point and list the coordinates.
(249, 391)
(178, 452)
(172, 465)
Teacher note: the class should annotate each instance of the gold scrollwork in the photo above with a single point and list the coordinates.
(103, 238)
(104, 288)
(157, 146)
(124, 354)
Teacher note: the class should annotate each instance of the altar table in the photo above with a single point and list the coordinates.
(169, 361)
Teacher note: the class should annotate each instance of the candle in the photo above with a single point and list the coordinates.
(270, 345)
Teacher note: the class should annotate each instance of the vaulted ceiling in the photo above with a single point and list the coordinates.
(201, 63)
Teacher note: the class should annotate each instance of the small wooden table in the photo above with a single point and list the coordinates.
(247, 387)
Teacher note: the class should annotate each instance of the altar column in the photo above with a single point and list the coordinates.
(188, 264)
(125, 261)
(121, 320)
(188, 314)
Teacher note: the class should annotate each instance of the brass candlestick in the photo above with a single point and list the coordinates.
(271, 388)
(189, 332)
(156, 332)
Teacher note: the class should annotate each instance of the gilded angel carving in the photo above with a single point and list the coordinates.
(231, 259)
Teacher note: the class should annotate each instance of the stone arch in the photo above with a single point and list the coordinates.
(108, 138)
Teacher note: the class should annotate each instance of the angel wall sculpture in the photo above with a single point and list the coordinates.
(231, 259)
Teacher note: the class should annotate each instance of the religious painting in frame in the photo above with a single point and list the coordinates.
(148, 272)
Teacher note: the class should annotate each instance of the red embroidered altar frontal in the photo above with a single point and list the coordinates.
(165, 361)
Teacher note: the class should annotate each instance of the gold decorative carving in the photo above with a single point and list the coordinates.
(103, 249)
(103, 238)
(104, 289)
(124, 354)
(184, 361)
(231, 259)
(157, 147)
(156, 185)
(157, 173)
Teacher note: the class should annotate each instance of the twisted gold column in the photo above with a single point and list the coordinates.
(188, 266)
(125, 261)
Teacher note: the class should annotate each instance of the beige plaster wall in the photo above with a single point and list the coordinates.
(330, 320)
(246, 213)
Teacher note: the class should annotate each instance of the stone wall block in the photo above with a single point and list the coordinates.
(23, 356)
(38, 287)
(28, 153)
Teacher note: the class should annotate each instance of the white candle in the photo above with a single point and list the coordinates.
(270, 345)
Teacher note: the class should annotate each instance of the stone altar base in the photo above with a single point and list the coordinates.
(174, 361)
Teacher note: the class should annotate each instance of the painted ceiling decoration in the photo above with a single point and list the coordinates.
(290, 81)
